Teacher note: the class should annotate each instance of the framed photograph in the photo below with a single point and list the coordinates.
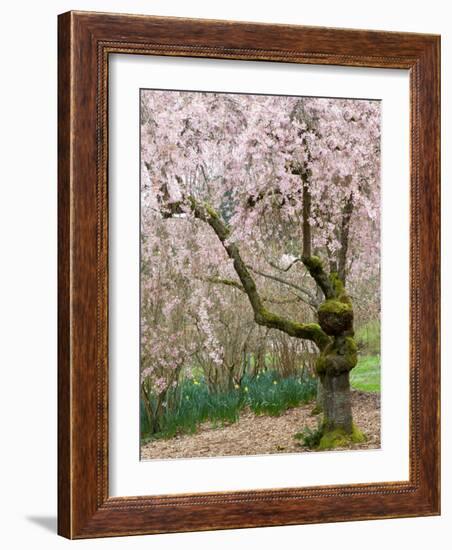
(248, 275)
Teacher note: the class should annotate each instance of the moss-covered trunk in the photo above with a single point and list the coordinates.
(333, 366)
(338, 428)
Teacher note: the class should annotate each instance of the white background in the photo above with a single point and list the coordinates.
(128, 476)
(28, 274)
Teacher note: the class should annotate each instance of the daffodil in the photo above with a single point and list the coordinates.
(275, 382)
(246, 389)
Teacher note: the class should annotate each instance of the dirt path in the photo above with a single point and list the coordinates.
(257, 435)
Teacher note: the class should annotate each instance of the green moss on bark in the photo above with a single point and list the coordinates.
(341, 355)
(335, 306)
(339, 438)
(313, 263)
(336, 316)
(309, 331)
(337, 283)
(351, 351)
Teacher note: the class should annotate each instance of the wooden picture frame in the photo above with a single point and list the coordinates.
(85, 42)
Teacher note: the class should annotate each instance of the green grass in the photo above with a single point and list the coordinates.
(366, 375)
(266, 393)
(368, 338)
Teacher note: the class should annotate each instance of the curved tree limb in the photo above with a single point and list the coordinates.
(315, 267)
(262, 316)
(222, 281)
(284, 269)
(238, 286)
(312, 300)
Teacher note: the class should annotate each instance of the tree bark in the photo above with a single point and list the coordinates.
(306, 215)
(318, 408)
(344, 233)
(333, 367)
(337, 408)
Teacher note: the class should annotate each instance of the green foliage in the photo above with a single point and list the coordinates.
(267, 393)
(366, 375)
(272, 395)
(309, 438)
(198, 405)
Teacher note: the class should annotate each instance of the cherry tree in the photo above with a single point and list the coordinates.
(277, 199)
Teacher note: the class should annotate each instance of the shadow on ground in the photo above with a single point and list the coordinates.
(49, 523)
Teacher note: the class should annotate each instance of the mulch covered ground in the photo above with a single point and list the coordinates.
(257, 435)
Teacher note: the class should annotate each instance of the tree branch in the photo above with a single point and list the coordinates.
(306, 215)
(238, 286)
(207, 214)
(284, 269)
(315, 267)
(344, 233)
(285, 282)
(262, 316)
(312, 263)
(227, 282)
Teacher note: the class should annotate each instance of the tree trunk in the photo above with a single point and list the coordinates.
(337, 408)
(333, 366)
(318, 408)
